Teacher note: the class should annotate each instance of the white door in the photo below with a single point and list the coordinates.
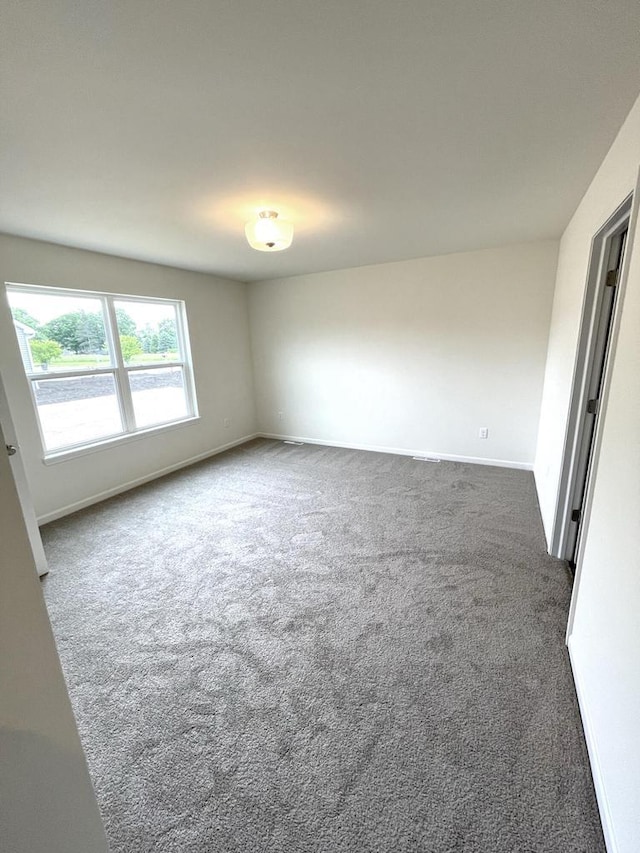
(22, 486)
(601, 348)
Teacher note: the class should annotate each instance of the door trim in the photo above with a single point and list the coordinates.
(22, 485)
(594, 292)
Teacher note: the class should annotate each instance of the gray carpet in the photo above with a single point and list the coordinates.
(305, 649)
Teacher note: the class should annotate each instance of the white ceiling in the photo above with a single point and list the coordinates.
(385, 130)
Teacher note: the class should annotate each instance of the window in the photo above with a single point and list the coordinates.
(102, 366)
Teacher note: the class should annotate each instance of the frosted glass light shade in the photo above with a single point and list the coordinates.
(267, 233)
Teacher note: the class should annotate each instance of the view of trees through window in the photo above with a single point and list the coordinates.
(69, 338)
(101, 365)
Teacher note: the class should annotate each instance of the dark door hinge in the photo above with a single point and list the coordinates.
(576, 515)
(612, 278)
(592, 407)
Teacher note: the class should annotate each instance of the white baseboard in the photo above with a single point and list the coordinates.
(124, 487)
(596, 772)
(403, 451)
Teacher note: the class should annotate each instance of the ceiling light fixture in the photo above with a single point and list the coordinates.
(267, 233)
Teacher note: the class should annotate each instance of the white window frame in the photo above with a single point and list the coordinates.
(117, 368)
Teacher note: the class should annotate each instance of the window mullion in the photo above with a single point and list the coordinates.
(69, 374)
(122, 380)
(184, 349)
(154, 365)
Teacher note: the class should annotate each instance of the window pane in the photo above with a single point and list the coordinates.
(57, 332)
(158, 395)
(148, 331)
(78, 409)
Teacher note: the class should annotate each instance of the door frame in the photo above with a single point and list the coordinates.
(22, 485)
(620, 219)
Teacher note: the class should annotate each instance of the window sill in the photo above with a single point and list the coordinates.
(87, 449)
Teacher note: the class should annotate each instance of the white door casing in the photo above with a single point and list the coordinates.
(22, 485)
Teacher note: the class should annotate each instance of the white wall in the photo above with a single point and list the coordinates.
(412, 356)
(219, 331)
(47, 804)
(605, 639)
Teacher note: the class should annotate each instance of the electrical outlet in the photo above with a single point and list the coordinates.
(280, 416)
(226, 423)
(483, 432)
